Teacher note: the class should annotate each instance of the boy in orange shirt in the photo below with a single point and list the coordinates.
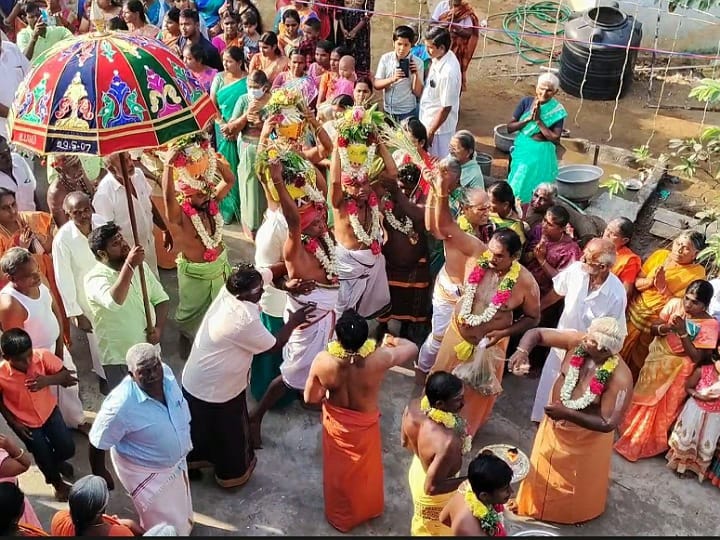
(30, 406)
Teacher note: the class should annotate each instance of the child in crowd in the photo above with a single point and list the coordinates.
(251, 36)
(697, 430)
(290, 35)
(322, 60)
(311, 36)
(328, 78)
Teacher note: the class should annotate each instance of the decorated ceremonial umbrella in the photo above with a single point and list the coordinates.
(108, 92)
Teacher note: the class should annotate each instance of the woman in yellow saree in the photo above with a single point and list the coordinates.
(686, 335)
(664, 275)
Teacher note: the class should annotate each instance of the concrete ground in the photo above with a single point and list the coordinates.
(284, 495)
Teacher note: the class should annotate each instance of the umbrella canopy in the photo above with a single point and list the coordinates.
(107, 92)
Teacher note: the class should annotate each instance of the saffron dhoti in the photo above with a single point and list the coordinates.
(352, 466)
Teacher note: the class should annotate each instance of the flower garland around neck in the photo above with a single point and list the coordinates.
(374, 237)
(490, 518)
(405, 227)
(465, 225)
(338, 351)
(327, 259)
(597, 383)
(501, 296)
(212, 243)
(449, 420)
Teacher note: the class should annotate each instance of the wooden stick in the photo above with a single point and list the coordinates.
(133, 225)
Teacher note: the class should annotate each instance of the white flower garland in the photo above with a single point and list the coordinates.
(363, 171)
(327, 259)
(313, 193)
(467, 316)
(209, 175)
(208, 241)
(375, 229)
(406, 227)
(571, 380)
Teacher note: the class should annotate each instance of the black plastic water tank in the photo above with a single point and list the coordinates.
(601, 34)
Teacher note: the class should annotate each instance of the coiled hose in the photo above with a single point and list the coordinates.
(546, 18)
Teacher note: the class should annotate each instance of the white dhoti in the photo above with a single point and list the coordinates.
(445, 296)
(363, 282)
(307, 340)
(71, 408)
(159, 496)
(550, 373)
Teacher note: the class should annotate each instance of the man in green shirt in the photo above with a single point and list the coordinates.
(38, 37)
(114, 296)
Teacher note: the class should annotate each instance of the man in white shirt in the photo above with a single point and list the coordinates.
(13, 68)
(110, 201)
(215, 377)
(72, 259)
(440, 101)
(401, 90)
(16, 176)
(590, 291)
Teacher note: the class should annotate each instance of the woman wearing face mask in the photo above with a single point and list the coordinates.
(249, 116)
(227, 87)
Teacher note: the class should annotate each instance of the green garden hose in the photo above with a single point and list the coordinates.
(545, 18)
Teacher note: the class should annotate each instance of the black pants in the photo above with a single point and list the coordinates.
(50, 445)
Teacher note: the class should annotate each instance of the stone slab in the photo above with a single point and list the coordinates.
(608, 208)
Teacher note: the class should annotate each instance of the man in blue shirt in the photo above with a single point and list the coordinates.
(190, 34)
(145, 423)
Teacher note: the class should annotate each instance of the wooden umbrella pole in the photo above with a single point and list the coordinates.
(133, 226)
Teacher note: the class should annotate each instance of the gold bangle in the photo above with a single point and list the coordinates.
(21, 454)
(520, 349)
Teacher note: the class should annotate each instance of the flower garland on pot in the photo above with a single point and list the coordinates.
(449, 420)
(490, 518)
(286, 105)
(597, 383)
(405, 227)
(298, 173)
(373, 239)
(357, 142)
(338, 351)
(327, 259)
(501, 296)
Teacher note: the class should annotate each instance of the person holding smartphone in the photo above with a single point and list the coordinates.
(400, 76)
(39, 36)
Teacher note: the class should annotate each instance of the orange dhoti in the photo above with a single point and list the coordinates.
(478, 407)
(569, 474)
(352, 466)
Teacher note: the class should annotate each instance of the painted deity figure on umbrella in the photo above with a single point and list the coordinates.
(495, 285)
(194, 180)
(358, 219)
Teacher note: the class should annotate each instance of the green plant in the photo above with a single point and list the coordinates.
(641, 153)
(708, 217)
(614, 184)
(710, 255)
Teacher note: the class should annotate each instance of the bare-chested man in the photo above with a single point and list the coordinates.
(476, 338)
(475, 208)
(346, 379)
(359, 234)
(571, 456)
(435, 432)
(309, 254)
(202, 263)
(488, 488)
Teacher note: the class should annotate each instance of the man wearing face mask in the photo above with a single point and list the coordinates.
(590, 291)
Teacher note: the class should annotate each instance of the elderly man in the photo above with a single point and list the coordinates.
(590, 291)
(110, 201)
(145, 423)
(545, 195)
(440, 100)
(462, 148)
(73, 260)
(13, 68)
(114, 296)
(570, 461)
(346, 379)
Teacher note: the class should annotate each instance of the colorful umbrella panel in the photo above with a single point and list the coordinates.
(103, 93)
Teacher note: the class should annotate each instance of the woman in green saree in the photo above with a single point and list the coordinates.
(249, 113)
(227, 88)
(539, 123)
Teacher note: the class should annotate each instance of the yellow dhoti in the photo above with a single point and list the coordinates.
(427, 508)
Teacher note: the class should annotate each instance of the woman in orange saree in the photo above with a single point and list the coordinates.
(464, 27)
(664, 275)
(686, 335)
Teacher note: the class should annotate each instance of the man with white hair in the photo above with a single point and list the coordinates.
(570, 461)
(590, 291)
(145, 423)
(538, 122)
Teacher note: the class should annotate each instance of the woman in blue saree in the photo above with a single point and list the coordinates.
(227, 88)
(539, 123)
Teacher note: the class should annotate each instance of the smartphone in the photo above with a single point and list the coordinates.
(404, 64)
(48, 19)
